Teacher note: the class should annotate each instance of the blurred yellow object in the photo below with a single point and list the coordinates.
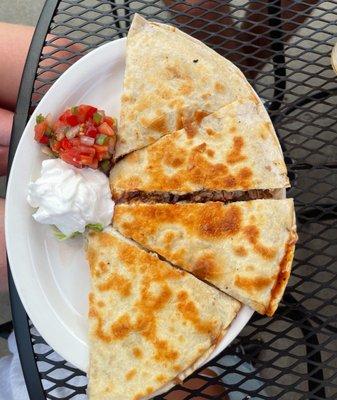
(334, 58)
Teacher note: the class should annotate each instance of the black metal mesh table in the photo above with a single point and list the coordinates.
(284, 50)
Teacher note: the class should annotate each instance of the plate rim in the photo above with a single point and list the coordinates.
(51, 335)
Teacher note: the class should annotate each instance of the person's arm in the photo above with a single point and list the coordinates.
(6, 121)
(3, 261)
(14, 45)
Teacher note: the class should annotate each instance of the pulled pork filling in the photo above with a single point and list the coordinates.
(197, 197)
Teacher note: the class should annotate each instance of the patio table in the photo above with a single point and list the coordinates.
(285, 52)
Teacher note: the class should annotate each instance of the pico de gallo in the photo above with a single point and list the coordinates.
(82, 136)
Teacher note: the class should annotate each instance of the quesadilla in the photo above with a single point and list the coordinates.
(245, 248)
(233, 149)
(170, 80)
(150, 324)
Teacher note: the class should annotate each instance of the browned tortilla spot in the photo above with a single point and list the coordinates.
(235, 155)
(252, 285)
(219, 222)
(219, 87)
(137, 352)
(161, 378)
(116, 282)
(186, 88)
(130, 374)
(191, 128)
(240, 251)
(206, 268)
(159, 124)
(283, 275)
(211, 132)
(252, 234)
(191, 314)
(199, 115)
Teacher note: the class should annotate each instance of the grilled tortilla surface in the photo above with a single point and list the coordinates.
(170, 79)
(149, 322)
(244, 248)
(235, 148)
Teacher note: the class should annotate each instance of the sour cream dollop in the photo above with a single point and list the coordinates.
(70, 198)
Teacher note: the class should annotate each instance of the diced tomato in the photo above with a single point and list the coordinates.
(91, 131)
(68, 158)
(40, 129)
(68, 118)
(75, 142)
(44, 139)
(59, 127)
(72, 120)
(106, 156)
(99, 156)
(63, 117)
(94, 164)
(73, 151)
(86, 150)
(65, 143)
(110, 121)
(72, 156)
(106, 129)
(55, 145)
(86, 160)
(85, 112)
(101, 151)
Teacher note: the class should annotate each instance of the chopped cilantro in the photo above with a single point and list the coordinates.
(100, 139)
(61, 236)
(48, 132)
(40, 118)
(74, 110)
(95, 227)
(97, 118)
(105, 166)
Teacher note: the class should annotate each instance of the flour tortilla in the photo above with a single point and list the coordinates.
(149, 322)
(170, 79)
(244, 248)
(233, 149)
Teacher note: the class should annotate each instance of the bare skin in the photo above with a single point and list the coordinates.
(14, 45)
(6, 121)
(3, 265)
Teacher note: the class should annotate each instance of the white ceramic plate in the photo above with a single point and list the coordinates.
(52, 277)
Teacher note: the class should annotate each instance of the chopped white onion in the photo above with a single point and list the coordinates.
(87, 140)
(73, 131)
(61, 130)
(49, 119)
(47, 150)
(59, 135)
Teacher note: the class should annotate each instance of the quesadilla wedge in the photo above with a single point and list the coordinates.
(245, 248)
(171, 79)
(233, 149)
(149, 323)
